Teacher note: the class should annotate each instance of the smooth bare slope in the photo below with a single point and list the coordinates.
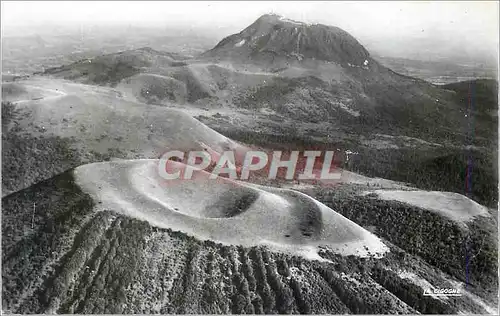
(224, 210)
(93, 124)
(451, 205)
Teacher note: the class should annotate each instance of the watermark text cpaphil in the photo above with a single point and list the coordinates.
(301, 165)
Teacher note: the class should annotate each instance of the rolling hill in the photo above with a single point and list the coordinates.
(88, 226)
(316, 73)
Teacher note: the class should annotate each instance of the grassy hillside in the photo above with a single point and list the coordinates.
(28, 159)
(484, 92)
(353, 99)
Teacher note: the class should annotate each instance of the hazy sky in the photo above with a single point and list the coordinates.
(472, 23)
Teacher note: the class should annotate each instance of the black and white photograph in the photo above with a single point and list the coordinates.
(250, 157)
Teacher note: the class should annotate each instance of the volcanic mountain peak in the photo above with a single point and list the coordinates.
(276, 18)
(276, 36)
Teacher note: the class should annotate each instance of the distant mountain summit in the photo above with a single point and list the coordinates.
(273, 36)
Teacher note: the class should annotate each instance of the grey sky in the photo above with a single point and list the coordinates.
(473, 24)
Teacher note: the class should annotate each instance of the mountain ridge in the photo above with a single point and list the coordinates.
(277, 36)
